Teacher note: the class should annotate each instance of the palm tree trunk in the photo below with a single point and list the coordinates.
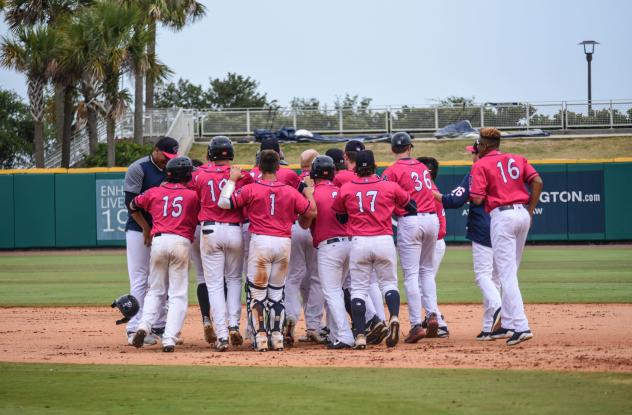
(111, 127)
(38, 141)
(67, 131)
(59, 112)
(138, 108)
(151, 52)
(93, 133)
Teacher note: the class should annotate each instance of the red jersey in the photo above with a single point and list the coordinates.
(442, 222)
(414, 177)
(344, 176)
(272, 207)
(500, 179)
(173, 208)
(208, 183)
(370, 202)
(326, 226)
(283, 175)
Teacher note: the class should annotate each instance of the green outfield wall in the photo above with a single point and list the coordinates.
(83, 208)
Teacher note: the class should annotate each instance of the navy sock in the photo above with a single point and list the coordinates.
(202, 296)
(392, 302)
(347, 295)
(358, 310)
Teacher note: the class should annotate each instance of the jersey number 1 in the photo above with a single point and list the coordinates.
(176, 206)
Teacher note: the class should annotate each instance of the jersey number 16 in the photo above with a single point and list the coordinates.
(512, 169)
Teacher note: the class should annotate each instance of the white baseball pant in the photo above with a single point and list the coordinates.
(368, 253)
(138, 269)
(375, 307)
(488, 282)
(168, 275)
(303, 281)
(426, 301)
(268, 262)
(509, 229)
(196, 257)
(416, 241)
(222, 249)
(333, 266)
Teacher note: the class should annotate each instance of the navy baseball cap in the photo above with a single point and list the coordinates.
(271, 144)
(365, 158)
(337, 155)
(168, 146)
(354, 145)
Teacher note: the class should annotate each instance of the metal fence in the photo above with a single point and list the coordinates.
(378, 120)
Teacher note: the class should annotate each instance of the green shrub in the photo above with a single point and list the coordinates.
(126, 152)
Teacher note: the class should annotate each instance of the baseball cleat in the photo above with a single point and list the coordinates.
(338, 346)
(209, 331)
(377, 334)
(139, 338)
(276, 340)
(235, 336)
(519, 337)
(443, 332)
(496, 324)
(288, 331)
(432, 326)
(415, 334)
(169, 349)
(151, 339)
(393, 332)
(130, 337)
(313, 336)
(483, 336)
(221, 345)
(360, 342)
(261, 341)
(501, 334)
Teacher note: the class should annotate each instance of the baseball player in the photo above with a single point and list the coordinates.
(477, 231)
(498, 182)
(377, 329)
(142, 175)
(173, 207)
(332, 241)
(272, 208)
(196, 259)
(302, 280)
(368, 203)
(442, 331)
(221, 242)
(416, 235)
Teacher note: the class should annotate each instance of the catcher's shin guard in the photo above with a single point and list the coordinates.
(276, 308)
(255, 305)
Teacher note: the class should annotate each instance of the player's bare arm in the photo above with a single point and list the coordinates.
(535, 187)
(140, 219)
(305, 220)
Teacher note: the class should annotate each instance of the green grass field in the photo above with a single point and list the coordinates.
(454, 150)
(79, 389)
(549, 274)
(563, 274)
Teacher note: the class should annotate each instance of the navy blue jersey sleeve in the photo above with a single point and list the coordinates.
(459, 196)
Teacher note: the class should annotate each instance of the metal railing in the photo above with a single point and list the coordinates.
(375, 120)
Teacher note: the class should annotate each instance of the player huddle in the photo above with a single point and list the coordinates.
(320, 241)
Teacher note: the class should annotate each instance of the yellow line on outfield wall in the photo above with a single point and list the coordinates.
(296, 166)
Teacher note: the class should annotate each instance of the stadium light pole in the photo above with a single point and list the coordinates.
(589, 49)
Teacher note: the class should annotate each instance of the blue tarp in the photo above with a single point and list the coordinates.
(463, 129)
(289, 134)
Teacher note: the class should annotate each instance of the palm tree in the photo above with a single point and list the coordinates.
(33, 51)
(107, 33)
(175, 14)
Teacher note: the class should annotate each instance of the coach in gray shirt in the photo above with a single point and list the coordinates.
(143, 174)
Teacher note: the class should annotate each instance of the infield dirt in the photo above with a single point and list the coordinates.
(566, 337)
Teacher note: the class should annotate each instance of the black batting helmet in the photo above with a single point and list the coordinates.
(220, 148)
(127, 305)
(401, 139)
(179, 170)
(322, 168)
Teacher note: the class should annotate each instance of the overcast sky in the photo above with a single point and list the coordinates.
(405, 51)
